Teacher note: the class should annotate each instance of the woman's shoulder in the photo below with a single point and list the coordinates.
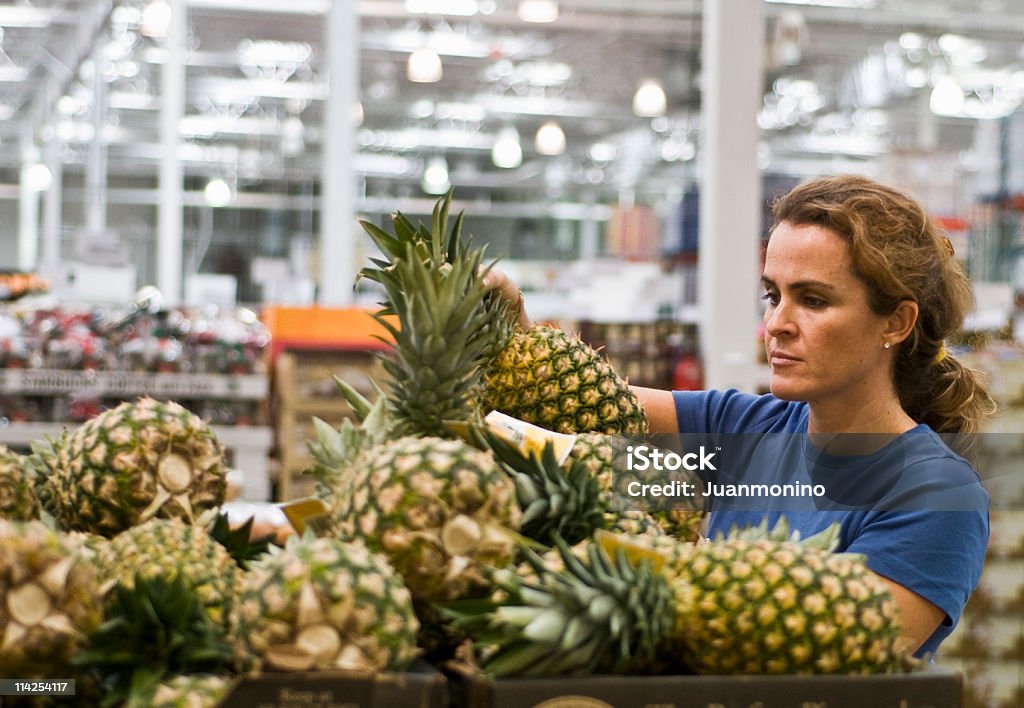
(732, 411)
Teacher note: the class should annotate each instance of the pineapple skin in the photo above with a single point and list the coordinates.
(170, 547)
(49, 600)
(333, 589)
(771, 607)
(604, 456)
(190, 691)
(438, 509)
(555, 380)
(18, 500)
(139, 460)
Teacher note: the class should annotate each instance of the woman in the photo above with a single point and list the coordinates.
(861, 290)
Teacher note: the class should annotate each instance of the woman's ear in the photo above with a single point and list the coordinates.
(901, 322)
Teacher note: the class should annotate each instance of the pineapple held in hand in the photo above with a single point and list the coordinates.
(321, 603)
(555, 380)
(134, 462)
(49, 600)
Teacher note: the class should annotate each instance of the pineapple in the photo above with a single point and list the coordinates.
(321, 603)
(170, 548)
(134, 462)
(556, 502)
(154, 629)
(449, 327)
(769, 607)
(604, 458)
(18, 500)
(189, 691)
(750, 603)
(555, 380)
(440, 510)
(48, 600)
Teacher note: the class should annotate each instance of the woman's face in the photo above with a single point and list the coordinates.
(824, 343)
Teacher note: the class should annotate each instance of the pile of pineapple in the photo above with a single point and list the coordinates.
(443, 539)
(119, 569)
(526, 564)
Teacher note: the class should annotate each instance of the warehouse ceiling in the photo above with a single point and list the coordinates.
(846, 81)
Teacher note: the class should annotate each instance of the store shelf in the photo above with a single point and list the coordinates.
(304, 388)
(49, 382)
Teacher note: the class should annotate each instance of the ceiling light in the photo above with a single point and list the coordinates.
(358, 116)
(435, 176)
(462, 8)
(550, 139)
(649, 100)
(538, 11)
(38, 177)
(507, 151)
(424, 66)
(947, 97)
(156, 18)
(602, 152)
(217, 193)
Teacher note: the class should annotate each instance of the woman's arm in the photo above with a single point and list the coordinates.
(660, 408)
(919, 617)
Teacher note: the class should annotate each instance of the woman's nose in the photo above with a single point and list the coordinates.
(777, 320)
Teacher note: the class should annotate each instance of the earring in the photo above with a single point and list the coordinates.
(886, 345)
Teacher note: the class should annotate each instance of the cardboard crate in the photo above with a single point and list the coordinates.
(932, 689)
(421, 687)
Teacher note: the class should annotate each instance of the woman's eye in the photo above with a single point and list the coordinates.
(812, 301)
(771, 298)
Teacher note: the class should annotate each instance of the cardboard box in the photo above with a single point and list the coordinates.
(932, 689)
(422, 687)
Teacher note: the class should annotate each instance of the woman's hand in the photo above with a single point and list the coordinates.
(507, 290)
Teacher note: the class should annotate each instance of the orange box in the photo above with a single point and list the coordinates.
(349, 328)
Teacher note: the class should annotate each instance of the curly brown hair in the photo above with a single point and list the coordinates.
(901, 253)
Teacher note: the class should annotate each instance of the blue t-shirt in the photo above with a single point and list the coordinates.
(914, 508)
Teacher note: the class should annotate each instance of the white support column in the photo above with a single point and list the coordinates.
(172, 107)
(28, 208)
(52, 207)
(730, 198)
(96, 160)
(337, 207)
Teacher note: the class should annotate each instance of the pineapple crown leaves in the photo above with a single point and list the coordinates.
(334, 449)
(556, 501)
(155, 630)
(446, 332)
(825, 540)
(597, 614)
(238, 541)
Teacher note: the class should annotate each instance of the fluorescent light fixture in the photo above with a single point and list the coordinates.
(538, 10)
(424, 66)
(649, 101)
(602, 152)
(435, 176)
(829, 3)
(460, 8)
(550, 139)
(507, 151)
(27, 16)
(217, 193)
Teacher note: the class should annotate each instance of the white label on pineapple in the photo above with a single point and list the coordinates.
(529, 438)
